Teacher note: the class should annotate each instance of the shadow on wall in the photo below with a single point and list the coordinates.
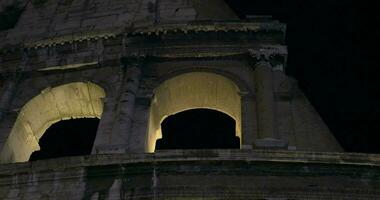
(10, 15)
(69, 101)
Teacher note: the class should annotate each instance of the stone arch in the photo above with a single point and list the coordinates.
(72, 100)
(37, 85)
(240, 83)
(189, 91)
(106, 83)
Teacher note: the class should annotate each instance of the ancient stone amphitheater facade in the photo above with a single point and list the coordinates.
(133, 63)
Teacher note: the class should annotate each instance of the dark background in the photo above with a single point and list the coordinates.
(332, 53)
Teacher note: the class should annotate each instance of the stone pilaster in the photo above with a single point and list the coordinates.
(7, 94)
(265, 100)
(127, 101)
(249, 124)
(104, 133)
(267, 132)
(125, 109)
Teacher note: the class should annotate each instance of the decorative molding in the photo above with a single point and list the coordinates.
(268, 52)
(275, 55)
(159, 30)
(79, 37)
(212, 27)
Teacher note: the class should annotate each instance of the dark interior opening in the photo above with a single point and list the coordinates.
(198, 129)
(67, 138)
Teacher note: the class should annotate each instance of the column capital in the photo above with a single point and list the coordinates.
(272, 56)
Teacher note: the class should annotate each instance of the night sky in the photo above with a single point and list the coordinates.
(332, 47)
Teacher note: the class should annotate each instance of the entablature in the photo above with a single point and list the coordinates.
(191, 40)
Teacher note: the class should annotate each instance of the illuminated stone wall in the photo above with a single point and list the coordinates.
(70, 101)
(143, 90)
(132, 63)
(191, 91)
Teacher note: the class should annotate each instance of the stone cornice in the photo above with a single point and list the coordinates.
(259, 53)
(212, 27)
(188, 55)
(156, 30)
(78, 37)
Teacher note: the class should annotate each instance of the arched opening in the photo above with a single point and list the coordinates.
(72, 137)
(195, 90)
(198, 129)
(70, 101)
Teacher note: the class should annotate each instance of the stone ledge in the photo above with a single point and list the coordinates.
(352, 159)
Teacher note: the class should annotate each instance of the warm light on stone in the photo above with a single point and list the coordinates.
(74, 100)
(191, 91)
(234, 124)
